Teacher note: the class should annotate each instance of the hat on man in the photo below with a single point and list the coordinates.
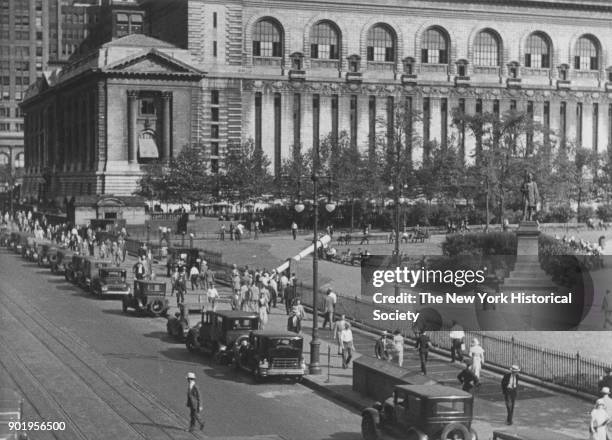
(191, 376)
(605, 390)
(515, 369)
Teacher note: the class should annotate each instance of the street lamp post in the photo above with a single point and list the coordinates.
(148, 235)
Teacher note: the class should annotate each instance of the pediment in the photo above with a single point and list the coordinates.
(152, 61)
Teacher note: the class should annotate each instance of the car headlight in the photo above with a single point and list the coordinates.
(222, 347)
(263, 364)
(104, 288)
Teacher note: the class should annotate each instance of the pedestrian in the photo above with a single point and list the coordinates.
(346, 336)
(599, 422)
(477, 355)
(294, 230)
(139, 270)
(328, 311)
(273, 288)
(193, 403)
(467, 378)
(174, 280)
(457, 336)
(194, 274)
(212, 296)
(423, 344)
(606, 310)
(299, 313)
(263, 310)
(383, 347)
(398, 346)
(338, 326)
(222, 234)
(606, 380)
(509, 385)
(209, 277)
(606, 401)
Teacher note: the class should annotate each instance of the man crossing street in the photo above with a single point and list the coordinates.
(193, 402)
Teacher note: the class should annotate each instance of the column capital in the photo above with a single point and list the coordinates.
(132, 94)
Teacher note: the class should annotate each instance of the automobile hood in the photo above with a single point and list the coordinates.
(284, 352)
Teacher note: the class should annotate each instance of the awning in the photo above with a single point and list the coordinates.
(147, 148)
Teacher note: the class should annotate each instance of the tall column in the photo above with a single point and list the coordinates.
(132, 132)
(167, 125)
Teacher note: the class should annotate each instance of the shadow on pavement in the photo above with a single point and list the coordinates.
(164, 337)
(226, 372)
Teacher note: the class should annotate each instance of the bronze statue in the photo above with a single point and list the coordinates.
(531, 198)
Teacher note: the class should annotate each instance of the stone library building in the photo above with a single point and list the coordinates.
(287, 73)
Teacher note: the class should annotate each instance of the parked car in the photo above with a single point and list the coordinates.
(270, 354)
(74, 268)
(45, 251)
(62, 260)
(12, 241)
(28, 248)
(147, 296)
(520, 433)
(218, 330)
(90, 271)
(11, 411)
(178, 324)
(433, 412)
(111, 281)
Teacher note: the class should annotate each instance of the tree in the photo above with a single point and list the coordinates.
(246, 174)
(185, 179)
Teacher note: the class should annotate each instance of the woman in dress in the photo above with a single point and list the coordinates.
(263, 310)
(477, 355)
(599, 420)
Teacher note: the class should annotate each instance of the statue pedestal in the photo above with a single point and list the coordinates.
(527, 239)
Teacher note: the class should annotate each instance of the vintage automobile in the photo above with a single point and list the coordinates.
(74, 268)
(11, 412)
(147, 296)
(45, 252)
(178, 324)
(218, 330)
(90, 271)
(62, 260)
(520, 433)
(270, 354)
(419, 412)
(28, 248)
(110, 281)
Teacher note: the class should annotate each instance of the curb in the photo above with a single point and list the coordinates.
(322, 389)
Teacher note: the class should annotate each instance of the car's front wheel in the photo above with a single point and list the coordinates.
(456, 431)
(156, 308)
(369, 430)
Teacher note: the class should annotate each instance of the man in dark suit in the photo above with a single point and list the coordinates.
(423, 344)
(193, 402)
(468, 379)
(509, 385)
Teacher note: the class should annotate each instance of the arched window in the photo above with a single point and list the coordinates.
(586, 56)
(434, 47)
(267, 39)
(19, 160)
(4, 159)
(324, 41)
(537, 51)
(486, 49)
(381, 44)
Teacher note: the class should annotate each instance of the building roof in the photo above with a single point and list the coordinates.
(139, 40)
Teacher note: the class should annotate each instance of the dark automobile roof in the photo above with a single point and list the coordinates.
(434, 391)
(237, 314)
(276, 334)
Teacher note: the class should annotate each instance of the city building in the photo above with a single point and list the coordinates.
(34, 35)
(287, 73)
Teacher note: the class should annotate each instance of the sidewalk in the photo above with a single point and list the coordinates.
(535, 407)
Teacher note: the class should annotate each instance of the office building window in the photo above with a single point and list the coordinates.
(214, 131)
(444, 121)
(372, 123)
(214, 148)
(334, 117)
(214, 97)
(579, 123)
(537, 51)
(214, 114)
(215, 49)
(353, 120)
(277, 133)
(215, 20)
(426, 121)
(595, 126)
(563, 121)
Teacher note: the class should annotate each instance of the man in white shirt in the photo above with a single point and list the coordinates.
(194, 274)
(212, 295)
(457, 336)
(509, 387)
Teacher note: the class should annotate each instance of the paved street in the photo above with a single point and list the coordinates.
(105, 373)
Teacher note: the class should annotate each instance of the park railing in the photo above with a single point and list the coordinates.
(568, 370)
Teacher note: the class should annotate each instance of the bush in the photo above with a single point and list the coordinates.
(559, 261)
(558, 214)
(480, 243)
(585, 213)
(604, 212)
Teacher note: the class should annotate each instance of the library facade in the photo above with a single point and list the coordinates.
(287, 73)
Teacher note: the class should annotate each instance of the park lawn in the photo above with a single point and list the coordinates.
(255, 254)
